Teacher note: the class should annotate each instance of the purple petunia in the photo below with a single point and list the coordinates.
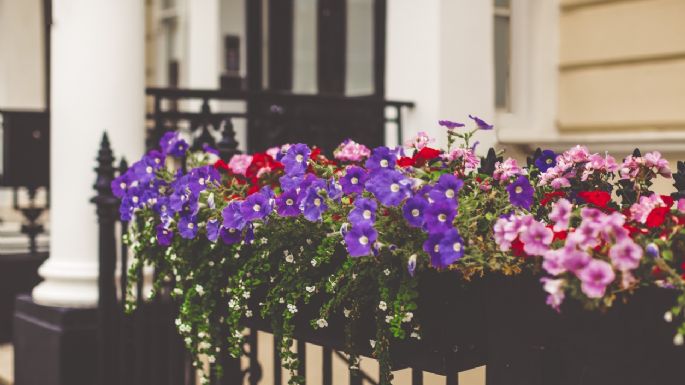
(364, 212)
(353, 180)
(256, 206)
(450, 249)
(521, 192)
(359, 240)
(230, 236)
(450, 125)
(233, 218)
(413, 210)
(172, 144)
(448, 187)
(482, 125)
(381, 158)
(295, 160)
(313, 205)
(164, 235)
(213, 227)
(546, 160)
(187, 227)
(390, 187)
(439, 215)
(288, 203)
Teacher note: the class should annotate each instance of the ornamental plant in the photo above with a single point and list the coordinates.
(271, 235)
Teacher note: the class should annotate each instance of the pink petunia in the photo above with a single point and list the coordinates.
(561, 214)
(595, 278)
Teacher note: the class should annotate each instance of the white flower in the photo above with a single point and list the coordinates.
(408, 316)
(372, 343)
(383, 306)
(246, 295)
(309, 241)
(386, 271)
(415, 335)
(231, 303)
(310, 289)
(388, 318)
(236, 256)
(248, 313)
(204, 345)
(292, 308)
(347, 313)
(211, 359)
(678, 340)
(281, 300)
(199, 289)
(289, 258)
(314, 262)
(177, 321)
(263, 241)
(237, 334)
(210, 263)
(322, 323)
(668, 317)
(188, 340)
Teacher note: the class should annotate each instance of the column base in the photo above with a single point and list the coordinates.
(54, 345)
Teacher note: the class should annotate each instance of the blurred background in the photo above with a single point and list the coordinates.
(609, 74)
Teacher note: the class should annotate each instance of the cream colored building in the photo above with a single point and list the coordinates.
(609, 74)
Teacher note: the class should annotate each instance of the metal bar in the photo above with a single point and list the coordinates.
(400, 139)
(452, 379)
(416, 377)
(331, 46)
(379, 42)
(253, 28)
(327, 365)
(280, 65)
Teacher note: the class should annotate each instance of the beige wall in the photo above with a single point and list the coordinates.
(622, 65)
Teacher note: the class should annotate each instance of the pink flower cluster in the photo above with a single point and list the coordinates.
(504, 171)
(469, 157)
(351, 151)
(653, 161)
(534, 235)
(239, 163)
(574, 161)
(640, 211)
(420, 141)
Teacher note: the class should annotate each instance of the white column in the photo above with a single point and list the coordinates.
(97, 85)
(204, 44)
(440, 56)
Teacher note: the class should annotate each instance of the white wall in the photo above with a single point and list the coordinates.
(440, 56)
(22, 63)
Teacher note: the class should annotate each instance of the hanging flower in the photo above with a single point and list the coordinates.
(353, 180)
(625, 255)
(256, 206)
(440, 214)
(536, 239)
(450, 249)
(164, 235)
(359, 239)
(482, 125)
(413, 210)
(381, 158)
(295, 160)
(212, 228)
(364, 212)
(187, 227)
(598, 198)
(561, 214)
(351, 151)
(450, 125)
(239, 163)
(546, 160)
(313, 205)
(288, 203)
(447, 187)
(390, 187)
(595, 278)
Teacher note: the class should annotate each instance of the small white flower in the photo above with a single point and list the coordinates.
(415, 335)
(263, 241)
(354, 276)
(281, 300)
(188, 340)
(678, 340)
(248, 313)
(246, 295)
(372, 343)
(204, 345)
(383, 306)
(289, 258)
(314, 262)
(388, 318)
(177, 321)
(210, 263)
(386, 271)
(408, 316)
(322, 323)
(301, 249)
(292, 308)
(232, 304)
(199, 289)
(668, 316)
(236, 256)
(211, 359)
(347, 313)
(237, 334)
(310, 289)
(309, 241)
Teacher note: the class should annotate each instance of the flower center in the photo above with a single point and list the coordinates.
(363, 240)
(384, 163)
(191, 225)
(148, 169)
(518, 189)
(256, 207)
(442, 217)
(317, 202)
(367, 214)
(289, 202)
(354, 180)
(548, 161)
(394, 187)
(201, 181)
(457, 247)
(122, 185)
(134, 199)
(299, 158)
(415, 212)
(449, 193)
(436, 248)
(231, 231)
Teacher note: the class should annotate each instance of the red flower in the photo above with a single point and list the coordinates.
(260, 161)
(405, 162)
(560, 236)
(221, 165)
(315, 153)
(517, 248)
(549, 196)
(427, 154)
(667, 200)
(657, 216)
(598, 198)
